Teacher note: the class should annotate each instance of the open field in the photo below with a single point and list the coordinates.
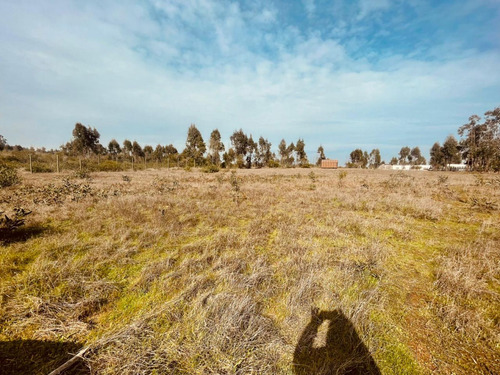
(297, 271)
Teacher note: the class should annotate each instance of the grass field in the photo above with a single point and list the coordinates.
(297, 271)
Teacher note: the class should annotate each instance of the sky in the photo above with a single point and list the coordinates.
(341, 74)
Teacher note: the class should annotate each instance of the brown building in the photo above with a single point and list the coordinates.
(329, 164)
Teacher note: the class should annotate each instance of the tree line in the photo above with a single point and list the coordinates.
(478, 148)
(243, 153)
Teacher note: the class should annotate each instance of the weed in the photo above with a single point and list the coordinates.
(212, 168)
(341, 177)
(8, 176)
(16, 220)
(82, 174)
(235, 185)
(442, 179)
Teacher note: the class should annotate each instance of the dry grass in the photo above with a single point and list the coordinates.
(182, 272)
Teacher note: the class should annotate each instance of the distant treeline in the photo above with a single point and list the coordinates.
(478, 147)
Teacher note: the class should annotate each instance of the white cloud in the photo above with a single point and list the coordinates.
(367, 7)
(310, 7)
(136, 76)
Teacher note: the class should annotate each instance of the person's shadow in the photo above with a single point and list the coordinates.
(343, 353)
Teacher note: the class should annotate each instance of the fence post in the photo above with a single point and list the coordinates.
(80, 160)
(31, 165)
(57, 163)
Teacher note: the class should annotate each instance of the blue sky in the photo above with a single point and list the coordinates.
(345, 74)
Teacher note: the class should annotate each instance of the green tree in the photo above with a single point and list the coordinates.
(170, 150)
(282, 151)
(127, 147)
(450, 151)
(148, 151)
(471, 143)
(215, 147)
(301, 153)
(289, 160)
(321, 156)
(3, 142)
(137, 150)
(417, 157)
(251, 150)
(114, 148)
(264, 152)
(159, 153)
(195, 146)
(437, 158)
(404, 153)
(374, 158)
(85, 139)
(358, 159)
(229, 157)
(239, 140)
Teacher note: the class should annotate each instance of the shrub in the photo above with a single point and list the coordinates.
(109, 166)
(212, 168)
(83, 174)
(8, 176)
(8, 224)
(273, 164)
(40, 168)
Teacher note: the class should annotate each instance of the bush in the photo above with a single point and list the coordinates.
(212, 168)
(40, 168)
(109, 166)
(8, 176)
(273, 164)
(83, 174)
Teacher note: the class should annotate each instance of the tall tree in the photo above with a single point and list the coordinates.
(301, 153)
(492, 123)
(450, 151)
(229, 157)
(321, 156)
(85, 139)
(137, 150)
(282, 151)
(403, 155)
(374, 158)
(148, 151)
(159, 153)
(114, 148)
(437, 158)
(251, 150)
(170, 150)
(264, 152)
(289, 160)
(3, 142)
(239, 140)
(127, 147)
(358, 159)
(195, 146)
(470, 145)
(417, 157)
(215, 147)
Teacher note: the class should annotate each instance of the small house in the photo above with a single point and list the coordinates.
(329, 164)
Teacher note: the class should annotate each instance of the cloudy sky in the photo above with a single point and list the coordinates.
(344, 74)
